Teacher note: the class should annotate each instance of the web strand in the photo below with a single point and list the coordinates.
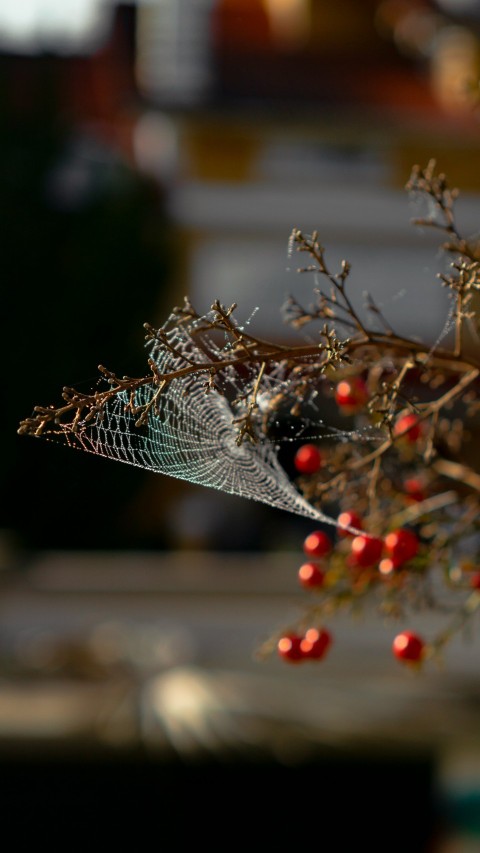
(190, 435)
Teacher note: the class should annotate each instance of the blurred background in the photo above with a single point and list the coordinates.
(159, 148)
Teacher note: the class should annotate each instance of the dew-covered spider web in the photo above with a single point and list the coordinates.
(189, 433)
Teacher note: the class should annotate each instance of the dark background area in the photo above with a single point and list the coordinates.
(261, 804)
(87, 252)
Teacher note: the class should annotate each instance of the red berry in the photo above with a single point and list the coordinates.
(317, 544)
(366, 551)
(475, 580)
(408, 646)
(401, 544)
(308, 459)
(288, 648)
(408, 427)
(414, 489)
(348, 519)
(315, 643)
(351, 394)
(310, 575)
(388, 565)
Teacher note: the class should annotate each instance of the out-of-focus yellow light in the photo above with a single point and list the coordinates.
(289, 22)
(455, 67)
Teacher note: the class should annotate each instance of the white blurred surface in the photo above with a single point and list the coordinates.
(176, 635)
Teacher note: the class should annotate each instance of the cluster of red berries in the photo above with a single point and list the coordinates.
(398, 547)
(312, 646)
(381, 557)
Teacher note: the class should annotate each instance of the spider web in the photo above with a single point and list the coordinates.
(190, 433)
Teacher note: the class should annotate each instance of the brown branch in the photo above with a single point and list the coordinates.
(95, 402)
(456, 471)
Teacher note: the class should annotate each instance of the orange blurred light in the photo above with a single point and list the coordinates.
(289, 22)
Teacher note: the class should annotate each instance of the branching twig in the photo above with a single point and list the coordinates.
(417, 402)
